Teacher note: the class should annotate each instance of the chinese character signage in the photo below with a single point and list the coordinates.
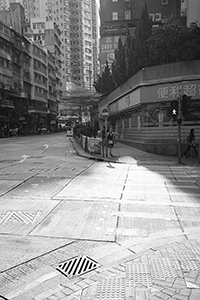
(107, 49)
(109, 44)
(174, 91)
(170, 91)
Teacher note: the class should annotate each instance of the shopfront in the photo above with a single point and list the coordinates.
(145, 115)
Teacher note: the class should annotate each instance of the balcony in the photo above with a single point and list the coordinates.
(24, 95)
(39, 110)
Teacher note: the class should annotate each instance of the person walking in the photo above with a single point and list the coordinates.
(110, 140)
(191, 143)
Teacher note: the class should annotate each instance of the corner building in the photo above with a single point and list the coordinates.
(140, 110)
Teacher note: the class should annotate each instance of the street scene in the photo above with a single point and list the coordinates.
(73, 227)
(99, 150)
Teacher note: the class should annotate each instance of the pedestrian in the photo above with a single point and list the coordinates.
(110, 140)
(191, 143)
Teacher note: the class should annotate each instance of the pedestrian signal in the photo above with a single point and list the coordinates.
(174, 109)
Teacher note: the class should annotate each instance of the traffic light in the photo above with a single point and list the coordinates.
(185, 104)
(174, 109)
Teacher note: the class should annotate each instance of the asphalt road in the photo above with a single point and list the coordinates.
(55, 205)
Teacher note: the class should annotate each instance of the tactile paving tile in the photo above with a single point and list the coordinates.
(112, 288)
(163, 268)
(138, 274)
(187, 259)
(183, 255)
(190, 265)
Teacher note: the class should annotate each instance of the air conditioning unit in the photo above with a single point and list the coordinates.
(152, 16)
(158, 17)
(164, 2)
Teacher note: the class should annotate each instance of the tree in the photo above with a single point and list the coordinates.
(119, 65)
(143, 32)
(80, 97)
(129, 55)
(174, 43)
(105, 84)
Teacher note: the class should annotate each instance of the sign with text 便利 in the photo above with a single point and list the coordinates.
(170, 91)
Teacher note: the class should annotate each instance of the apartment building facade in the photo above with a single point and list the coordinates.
(28, 98)
(77, 21)
(119, 15)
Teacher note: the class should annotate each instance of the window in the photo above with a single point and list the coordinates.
(115, 16)
(127, 14)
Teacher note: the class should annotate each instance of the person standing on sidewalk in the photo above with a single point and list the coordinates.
(191, 143)
(110, 140)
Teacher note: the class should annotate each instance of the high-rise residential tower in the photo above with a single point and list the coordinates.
(77, 21)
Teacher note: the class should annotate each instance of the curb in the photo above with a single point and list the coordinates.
(139, 161)
(92, 157)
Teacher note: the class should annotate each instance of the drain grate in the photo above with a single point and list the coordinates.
(77, 266)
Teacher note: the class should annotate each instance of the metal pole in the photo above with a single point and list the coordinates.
(106, 141)
(179, 130)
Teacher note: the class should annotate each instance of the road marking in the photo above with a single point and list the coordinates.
(24, 157)
(46, 146)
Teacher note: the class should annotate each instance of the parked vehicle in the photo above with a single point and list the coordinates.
(69, 131)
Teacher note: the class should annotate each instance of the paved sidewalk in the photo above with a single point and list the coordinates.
(127, 154)
(160, 268)
(155, 267)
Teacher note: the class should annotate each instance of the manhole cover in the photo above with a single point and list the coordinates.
(77, 266)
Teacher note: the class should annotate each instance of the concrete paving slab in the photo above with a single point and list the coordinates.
(83, 188)
(104, 171)
(149, 225)
(7, 185)
(21, 216)
(15, 251)
(184, 198)
(80, 220)
(7, 175)
(38, 188)
(130, 194)
(68, 172)
(147, 210)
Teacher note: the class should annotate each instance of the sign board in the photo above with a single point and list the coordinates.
(94, 145)
(105, 113)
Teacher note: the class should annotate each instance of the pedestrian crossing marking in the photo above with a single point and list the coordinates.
(18, 217)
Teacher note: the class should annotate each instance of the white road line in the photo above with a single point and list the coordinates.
(24, 157)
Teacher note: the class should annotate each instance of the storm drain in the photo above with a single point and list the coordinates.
(77, 266)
